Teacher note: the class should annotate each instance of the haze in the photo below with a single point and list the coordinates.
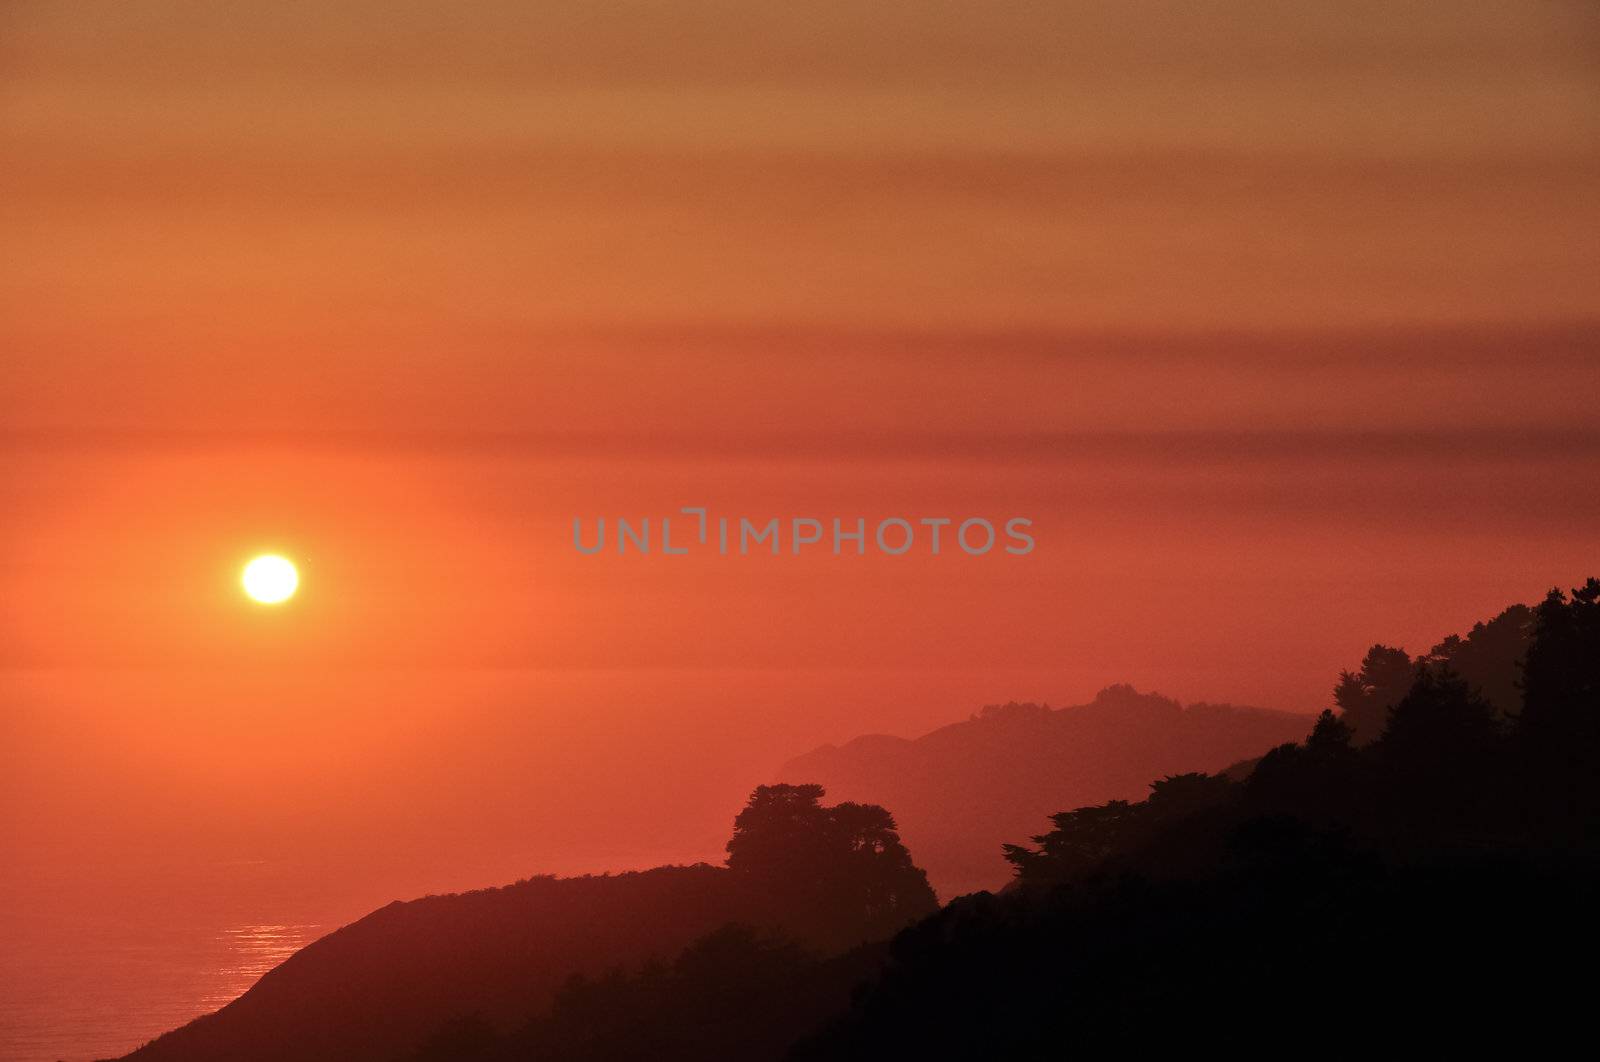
(1269, 315)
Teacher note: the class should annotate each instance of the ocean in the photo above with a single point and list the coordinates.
(84, 979)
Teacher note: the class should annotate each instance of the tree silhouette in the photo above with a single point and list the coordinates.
(837, 875)
(1314, 780)
(1081, 841)
(1490, 657)
(1433, 870)
(1560, 724)
(1180, 795)
(1086, 838)
(1366, 695)
(1331, 738)
(1438, 761)
(1561, 682)
(1439, 719)
(1421, 844)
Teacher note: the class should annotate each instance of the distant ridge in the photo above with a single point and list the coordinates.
(962, 791)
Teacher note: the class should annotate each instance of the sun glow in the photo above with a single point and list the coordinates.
(270, 579)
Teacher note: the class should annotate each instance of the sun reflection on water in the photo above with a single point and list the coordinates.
(249, 951)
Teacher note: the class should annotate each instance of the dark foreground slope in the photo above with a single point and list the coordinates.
(1286, 954)
(1426, 893)
(965, 789)
(434, 977)
(1430, 892)
(375, 988)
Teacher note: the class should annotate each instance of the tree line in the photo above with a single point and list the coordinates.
(1417, 874)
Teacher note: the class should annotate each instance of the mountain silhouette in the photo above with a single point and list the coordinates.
(1419, 881)
(963, 790)
(817, 877)
(1427, 888)
(376, 987)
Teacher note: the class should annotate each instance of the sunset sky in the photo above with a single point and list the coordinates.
(1279, 319)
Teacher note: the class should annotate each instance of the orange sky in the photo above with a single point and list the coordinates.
(1278, 318)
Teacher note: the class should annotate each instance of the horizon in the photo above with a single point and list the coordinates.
(1277, 322)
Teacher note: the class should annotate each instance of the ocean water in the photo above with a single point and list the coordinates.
(85, 977)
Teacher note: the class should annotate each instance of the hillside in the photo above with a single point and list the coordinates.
(1427, 891)
(963, 790)
(822, 879)
(375, 988)
(1346, 893)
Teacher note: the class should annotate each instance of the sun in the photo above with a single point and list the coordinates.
(270, 579)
